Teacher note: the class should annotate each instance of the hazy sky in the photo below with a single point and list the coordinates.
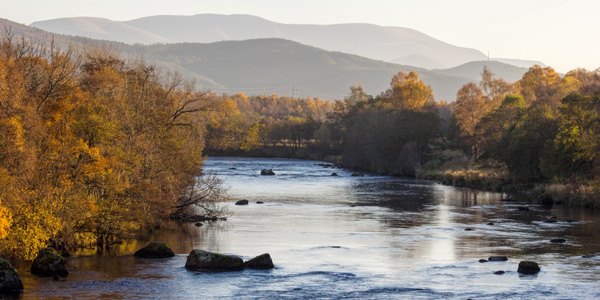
(563, 34)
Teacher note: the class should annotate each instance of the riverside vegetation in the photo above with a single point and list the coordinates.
(95, 150)
(540, 134)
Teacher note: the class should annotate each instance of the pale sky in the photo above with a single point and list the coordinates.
(563, 34)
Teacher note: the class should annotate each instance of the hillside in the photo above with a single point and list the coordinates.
(265, 66)
(283, 67)
(101, 29)
(472, 70)
(391, 44)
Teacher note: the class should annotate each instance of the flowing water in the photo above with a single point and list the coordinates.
(353, 237)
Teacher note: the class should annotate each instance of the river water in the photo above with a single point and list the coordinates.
(353, 237)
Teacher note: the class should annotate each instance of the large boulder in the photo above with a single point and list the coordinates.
(48, 263)
(204, 260)
(261, 262)
(267, 172)
(528, 267)
(155, 249)
(10, 283)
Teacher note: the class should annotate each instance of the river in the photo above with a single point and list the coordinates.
(353, 237)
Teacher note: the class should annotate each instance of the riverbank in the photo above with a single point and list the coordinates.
(278, 152)
(585, 195)
(487, 176)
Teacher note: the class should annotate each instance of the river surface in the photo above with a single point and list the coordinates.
(371, 237)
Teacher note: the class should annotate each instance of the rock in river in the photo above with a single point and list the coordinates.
(483, 260)
(261, 262)
(558, 241)
(267, 172)
(357, 174)
(499, 272)
(10, 283)
(528, 267)
(210, 261)
(242, 202)
(334, 174)
(48, 263)
(155, 250)
(497, 258)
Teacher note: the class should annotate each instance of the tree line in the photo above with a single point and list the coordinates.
(93, 150)
(542, 128)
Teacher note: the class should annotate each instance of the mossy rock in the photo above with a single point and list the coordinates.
(210, 261)
(48, 263)
(261, 262)
(155, 249)
(10, 282)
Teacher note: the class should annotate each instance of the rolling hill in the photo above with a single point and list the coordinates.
(266, 66)
(391, 44)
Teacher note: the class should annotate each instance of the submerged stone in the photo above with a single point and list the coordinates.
(242, 202)
(10, 282)
(267, 172)
(259, 202)
(499, 272)
(483, 260)
(48, 263)
(261, 262)
(155, 249)
(497, 258)
(334, 174)
(528, 267)
(558, 241)
(210, 261)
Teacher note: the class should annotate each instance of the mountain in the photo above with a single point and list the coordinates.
(391, 44)
(101, 29)
(472, 70)
(266, 66)
(520, 62)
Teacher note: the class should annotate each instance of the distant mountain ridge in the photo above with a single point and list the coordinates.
(266, 66)
(391, 44)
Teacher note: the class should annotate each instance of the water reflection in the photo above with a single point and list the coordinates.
(356, 237)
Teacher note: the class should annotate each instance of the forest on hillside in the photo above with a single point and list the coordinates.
(95, 150)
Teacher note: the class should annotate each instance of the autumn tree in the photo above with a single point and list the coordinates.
(494, 89)
(576, 146)
(469, 108)
(408, 91)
